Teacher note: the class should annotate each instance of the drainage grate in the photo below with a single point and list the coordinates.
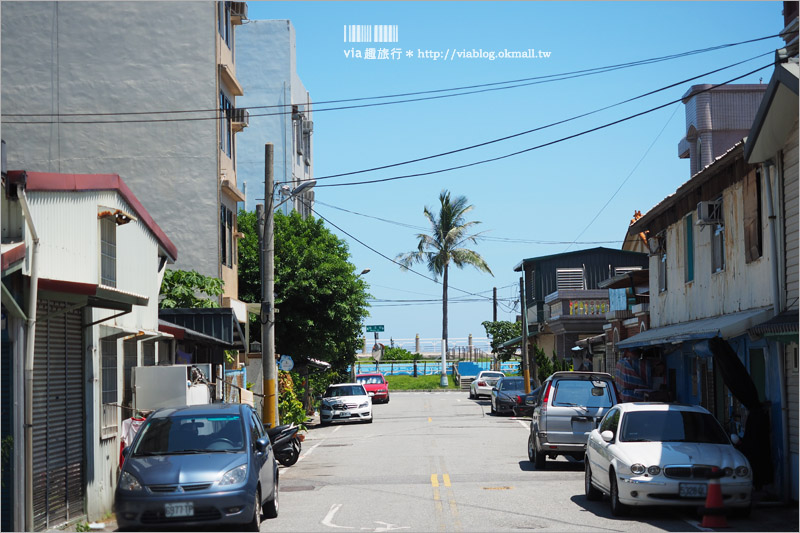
(296, 488)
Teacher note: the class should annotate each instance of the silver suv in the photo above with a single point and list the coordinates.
(569, 407)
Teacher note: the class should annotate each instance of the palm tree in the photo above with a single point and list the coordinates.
(449, 232)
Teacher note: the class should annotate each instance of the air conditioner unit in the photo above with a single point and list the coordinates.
(240, 115)
(308, 126)
(238, 12)
(708, 213)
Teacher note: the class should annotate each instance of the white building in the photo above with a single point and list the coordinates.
(132, 70)
(82, 268)
(266, 57)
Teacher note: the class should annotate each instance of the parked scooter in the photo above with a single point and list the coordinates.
(285, 444)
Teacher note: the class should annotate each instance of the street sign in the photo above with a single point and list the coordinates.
(374, 329)
(286, 363)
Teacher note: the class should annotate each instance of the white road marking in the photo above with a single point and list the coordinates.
(336, 429)
(386, 526)
(327, 521)
(523, 424)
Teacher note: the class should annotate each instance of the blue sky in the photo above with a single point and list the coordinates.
(531, 204)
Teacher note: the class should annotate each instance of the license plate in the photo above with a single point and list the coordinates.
(345, 414)
(172, 510)
(692, 490)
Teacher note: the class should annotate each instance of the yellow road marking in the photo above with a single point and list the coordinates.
(446, 480)
(435, 480)
(429, 419)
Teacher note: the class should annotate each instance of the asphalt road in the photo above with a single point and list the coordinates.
(440, 462)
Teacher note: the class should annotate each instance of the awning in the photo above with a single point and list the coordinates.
(725, 326)
(512, 342)
(182, 332)
(92, 294)
(13, 253)
(113, 331)
(217, 322)
(782, 327)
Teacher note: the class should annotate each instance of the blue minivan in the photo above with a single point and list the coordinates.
(199, 465)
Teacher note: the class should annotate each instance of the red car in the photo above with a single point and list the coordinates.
(376, 386)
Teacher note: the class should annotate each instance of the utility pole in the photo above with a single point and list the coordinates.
(494, 307)
(269, 413)
(525, 372)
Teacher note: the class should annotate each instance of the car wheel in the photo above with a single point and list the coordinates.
(387, 399)
(255, 524)
(324, 422)
(271, 510)
(471, 395)
(592, 493)
(539, 459)
(370, 420)
(531, 449)
(491, 407)
(617, 508)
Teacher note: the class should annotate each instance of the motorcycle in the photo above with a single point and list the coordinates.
(285, 444)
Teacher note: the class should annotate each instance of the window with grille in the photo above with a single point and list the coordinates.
(226, 224)
(108, 252)
(108, 356)
(225, 119)
(569, 278)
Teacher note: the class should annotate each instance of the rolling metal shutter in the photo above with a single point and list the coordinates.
(58, 417)
(7, 430)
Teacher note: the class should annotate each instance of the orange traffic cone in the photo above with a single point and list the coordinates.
(714, 511)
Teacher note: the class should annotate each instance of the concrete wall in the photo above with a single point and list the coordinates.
(267, 69)
(72, 57)
(740, 286)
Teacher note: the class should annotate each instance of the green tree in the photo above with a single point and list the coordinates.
(500, 332)
(321, 300)
(444, 245)
(181, 289)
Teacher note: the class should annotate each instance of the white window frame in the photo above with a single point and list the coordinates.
(108, 251)
(109, 388)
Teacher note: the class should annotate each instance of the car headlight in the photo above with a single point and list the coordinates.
(363, 405)
(728, 471)
(654, 470)
(638, 469)
(234, 476)
(129, 482)
(742, 471)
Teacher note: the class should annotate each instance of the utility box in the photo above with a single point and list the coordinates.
(168, 386)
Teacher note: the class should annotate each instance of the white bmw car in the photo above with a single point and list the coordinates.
(345, 401)
(662, 454)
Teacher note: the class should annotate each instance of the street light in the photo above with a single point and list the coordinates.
(365, 271)
(269, 414)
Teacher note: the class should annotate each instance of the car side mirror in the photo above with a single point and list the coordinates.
(126, 451)
(530, 401)
(494, 388)
(261, 445)
(735, 439)
(607, 435)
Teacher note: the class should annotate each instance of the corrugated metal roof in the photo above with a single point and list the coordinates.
(50, 181)
(693, 182)
(725, 326)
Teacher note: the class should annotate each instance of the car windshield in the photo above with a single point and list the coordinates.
(512, 384)
(172, 435)
(347, 390)
(492, 375)
(672, 426)
(581, 393)
(370, 380)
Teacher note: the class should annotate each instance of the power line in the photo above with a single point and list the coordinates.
(540, 128)
(627, 177)
(512, 154)
(548, 77)
(362, 243)
(483, 237)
